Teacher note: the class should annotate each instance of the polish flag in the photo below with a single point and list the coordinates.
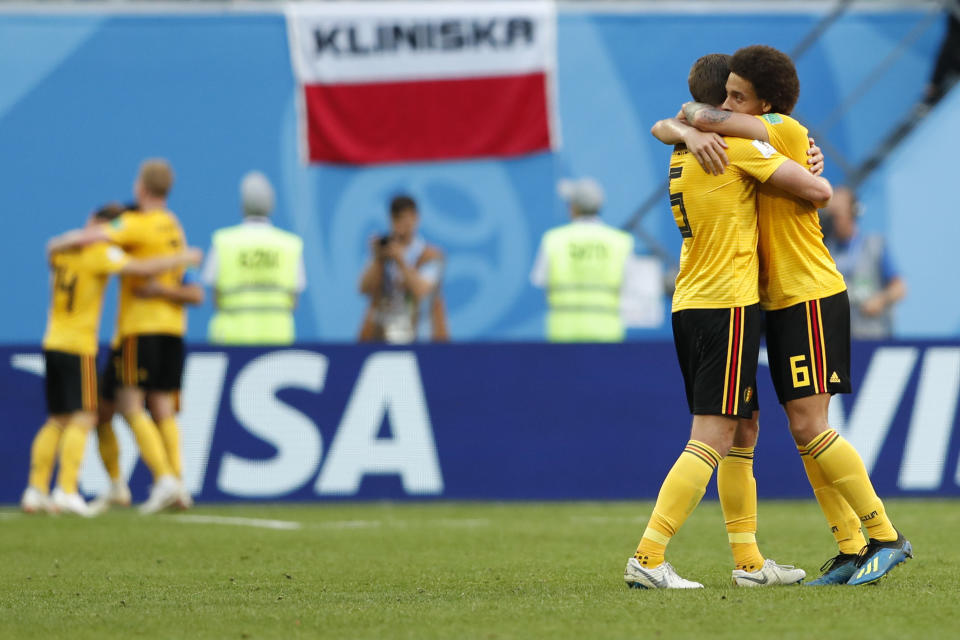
(418, 81)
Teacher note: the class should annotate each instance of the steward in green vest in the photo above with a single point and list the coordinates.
(582, 266)
(257, 274)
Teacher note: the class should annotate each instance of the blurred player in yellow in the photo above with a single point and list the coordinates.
(189, 292)
(716, 324)
(79, 279)
(808, 320)
(151, 332)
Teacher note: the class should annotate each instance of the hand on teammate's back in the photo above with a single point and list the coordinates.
(708, 149)
(149, 289)
(814, 158)
(194, 256)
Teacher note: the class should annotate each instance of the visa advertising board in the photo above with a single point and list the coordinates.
(491, 421)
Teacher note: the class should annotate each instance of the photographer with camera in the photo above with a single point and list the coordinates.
(402, 281)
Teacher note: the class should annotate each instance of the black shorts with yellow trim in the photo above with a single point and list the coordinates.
(718, 350)
(107, 384)
(808, 346)
(71, 382)
(152, 362)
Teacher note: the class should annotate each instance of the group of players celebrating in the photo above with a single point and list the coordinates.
(746, 206)
(145, 245)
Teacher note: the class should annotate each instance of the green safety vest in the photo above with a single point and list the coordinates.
(256, 285)
(586, 268)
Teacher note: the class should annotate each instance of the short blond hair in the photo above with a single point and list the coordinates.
(156, 176)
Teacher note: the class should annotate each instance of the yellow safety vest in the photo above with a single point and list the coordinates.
(257, 285)
(586, 270)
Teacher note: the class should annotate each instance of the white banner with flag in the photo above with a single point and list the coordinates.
(409, 81)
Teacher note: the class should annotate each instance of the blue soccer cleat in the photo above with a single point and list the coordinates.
(837, 570)
(878, 558)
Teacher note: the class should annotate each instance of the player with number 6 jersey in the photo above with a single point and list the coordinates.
(808, 321)
(716, 321)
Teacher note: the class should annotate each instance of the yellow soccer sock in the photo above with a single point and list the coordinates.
(171, 443)
(843, 520)
(738, 499)
(71, 456)
(680, 494)
(43, 453)
(109, 450)
(843, 467)
(151, 445)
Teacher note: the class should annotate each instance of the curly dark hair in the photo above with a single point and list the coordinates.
(772, 74)
(708, 78)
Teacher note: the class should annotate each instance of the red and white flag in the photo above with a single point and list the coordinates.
(409, 81)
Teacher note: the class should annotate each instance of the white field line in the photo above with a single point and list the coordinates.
(239, 522)
(457, 523)
(348, 524)
(462, 522)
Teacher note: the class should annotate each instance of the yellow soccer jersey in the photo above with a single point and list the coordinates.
(148, 234)
(717, 216)
(78, 279)
(795, 266)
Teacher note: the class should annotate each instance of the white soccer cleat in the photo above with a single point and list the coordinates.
(71, 503)
(662, 577)
(36, 501)
(119, 494)
(164, 494)
(184, 500)
(768, 575)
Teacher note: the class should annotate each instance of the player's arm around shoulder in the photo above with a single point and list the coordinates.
(148, 267)
(104, 258)
(764, 163)
(726, 123)
(797, 180)
(708, 148)
(669, 130)
(74, 239)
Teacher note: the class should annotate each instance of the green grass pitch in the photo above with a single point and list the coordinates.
(450, 570)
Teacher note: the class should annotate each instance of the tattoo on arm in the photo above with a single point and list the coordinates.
(716, 115)
(690, 110)
(708, 114)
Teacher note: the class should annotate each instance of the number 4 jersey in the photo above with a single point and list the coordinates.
(717, 217)
(79, 278)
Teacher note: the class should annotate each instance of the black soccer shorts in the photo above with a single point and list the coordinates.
(718, 350)
(107, 384)
(152, 362)
(808, 346)
(71, 382)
